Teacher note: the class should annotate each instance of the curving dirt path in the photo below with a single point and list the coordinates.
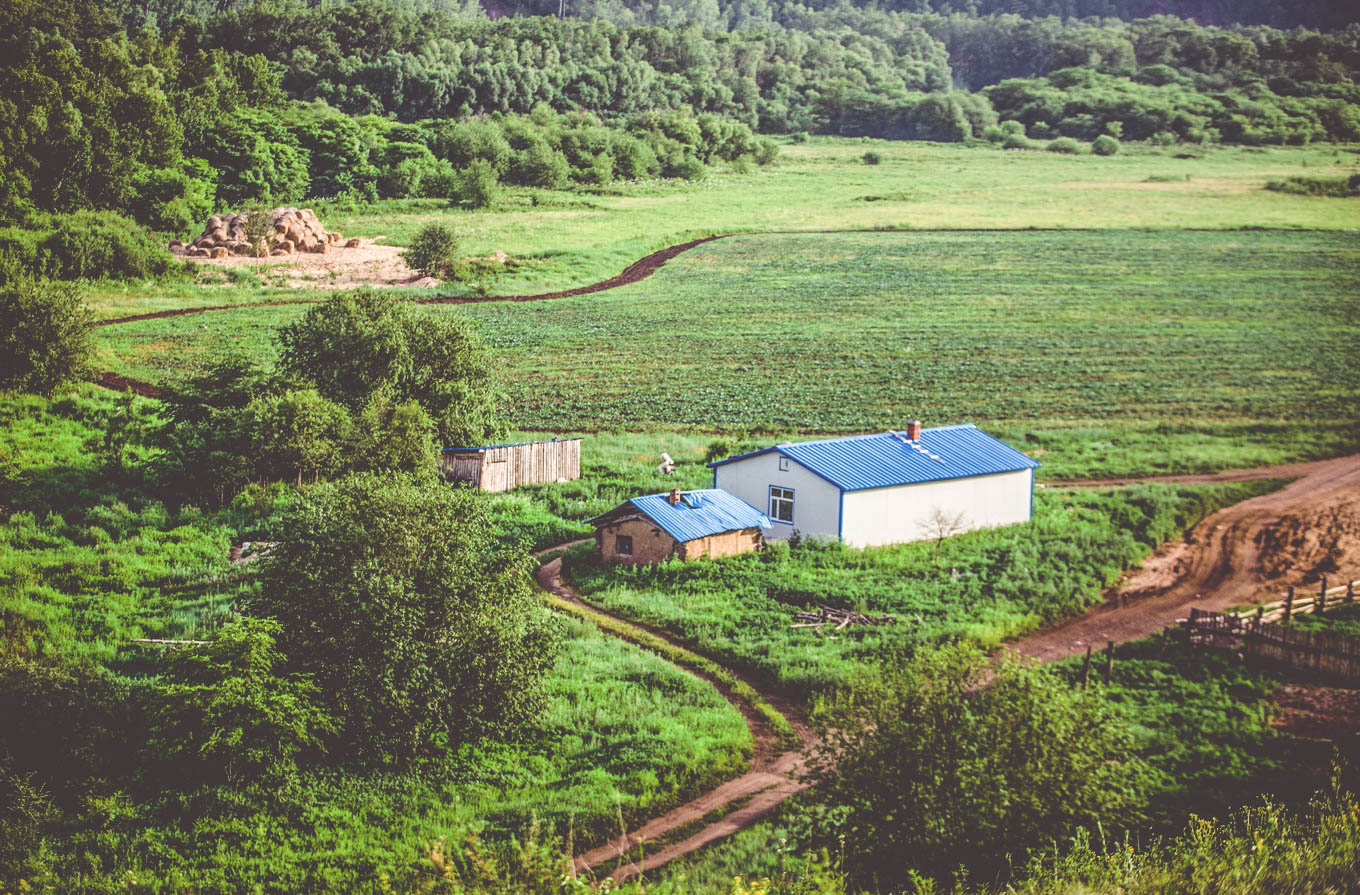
(1241, 554)
(774, 775)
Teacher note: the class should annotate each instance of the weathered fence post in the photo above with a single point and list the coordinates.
(1350, 591)
(1109, 661)
(1288, 604)
(1086, 667)
(1321, 608)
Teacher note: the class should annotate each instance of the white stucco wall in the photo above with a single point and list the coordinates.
(896, 515)
(816, 502)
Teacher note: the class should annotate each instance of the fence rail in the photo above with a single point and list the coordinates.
(1324, 653)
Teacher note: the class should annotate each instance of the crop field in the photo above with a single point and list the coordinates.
(1102, 352)
(561, 239)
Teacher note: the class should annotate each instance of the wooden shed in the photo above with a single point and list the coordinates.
(500, 467)
(689, 525)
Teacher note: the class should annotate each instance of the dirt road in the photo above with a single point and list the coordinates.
(1241, 554)
(774, 775)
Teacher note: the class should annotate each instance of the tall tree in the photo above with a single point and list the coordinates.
(417, 624)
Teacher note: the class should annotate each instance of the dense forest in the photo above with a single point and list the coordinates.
(166, 112)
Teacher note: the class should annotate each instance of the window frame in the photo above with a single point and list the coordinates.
(783, 464)
(789, 496)
(618, 545)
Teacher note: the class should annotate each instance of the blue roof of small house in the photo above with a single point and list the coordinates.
(699, 514)
(889, 459)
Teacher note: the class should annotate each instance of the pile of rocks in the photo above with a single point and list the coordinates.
(295, 230)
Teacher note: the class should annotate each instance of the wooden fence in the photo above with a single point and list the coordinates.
(1324, 653)
(505, 466)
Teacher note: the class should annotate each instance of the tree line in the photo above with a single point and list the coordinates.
(166, 117)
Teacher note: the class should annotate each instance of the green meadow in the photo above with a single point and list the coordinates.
(560, 239)
(1101, 353)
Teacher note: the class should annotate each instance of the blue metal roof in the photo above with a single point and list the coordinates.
(888, 459)
(699, 514)
(492, 447)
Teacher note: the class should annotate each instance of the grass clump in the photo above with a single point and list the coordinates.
(1322, 187)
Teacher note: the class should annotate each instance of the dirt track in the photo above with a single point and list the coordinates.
(773, 777)
(1242, 554)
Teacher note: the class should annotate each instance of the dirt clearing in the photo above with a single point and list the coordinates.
(369, 264)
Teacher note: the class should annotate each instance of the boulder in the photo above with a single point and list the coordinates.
(219, 252)
(295, 230)
(352, 243)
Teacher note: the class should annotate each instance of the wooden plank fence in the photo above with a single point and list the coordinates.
(507, 466)
(1324, 653)
(1300, 602)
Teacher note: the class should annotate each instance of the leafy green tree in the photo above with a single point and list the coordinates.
(419, 627)
(206, 446)
(44, 335)
(394, 436)
(478, 185)
(433, 250)
(229, 711)
(361, 344)
(296, 435)
(954, 761)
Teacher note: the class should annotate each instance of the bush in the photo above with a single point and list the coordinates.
(1330, 187)
(993, 134)
(45, 340)
(1064, 145)
(433, 250)
(1015, 141)
(1013, 128)
(478, 185)
(420, 630)
(798, 137)
(542, 166)
(98, 245)
(958, 762)
(687, 169)
(871, 158)
(1105, 145)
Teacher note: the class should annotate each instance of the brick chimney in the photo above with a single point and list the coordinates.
(914, 430)
(674, 497)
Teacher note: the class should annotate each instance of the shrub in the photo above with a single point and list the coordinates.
(993, 134)
(1105, 145)
(687, 169)
(798, 137)
(1162, 138)
(871, 158)
(99, 245)
(1332, 187)
(45, 340)
(1064, 145)
(542, 166)
(765, 152)
(433, 250)
(956, 761)
(1013, 128)
(478, 185)
(1015, 141)
(420, 630)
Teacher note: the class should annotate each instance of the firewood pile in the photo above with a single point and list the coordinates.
(294, 230)
(840, 618)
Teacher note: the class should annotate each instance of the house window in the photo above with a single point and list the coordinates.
(783, 464)
(781, 504)
(623, 545)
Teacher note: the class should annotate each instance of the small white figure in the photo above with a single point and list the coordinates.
(667, 465)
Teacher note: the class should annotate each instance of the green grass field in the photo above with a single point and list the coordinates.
(90, 559)
(1100, 352)
(563, 239)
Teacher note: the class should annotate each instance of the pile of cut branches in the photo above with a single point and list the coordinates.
(830, 615)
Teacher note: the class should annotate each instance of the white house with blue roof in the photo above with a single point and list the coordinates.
(885, 488)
